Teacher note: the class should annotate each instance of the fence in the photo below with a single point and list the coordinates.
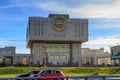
(70, 78)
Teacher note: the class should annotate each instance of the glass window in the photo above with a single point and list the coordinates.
(51, 58)
(63, 57)
(86, 60)
(38, 54)
(76, 57)
(92, 60)
(17, 59)
(24, 60)
(9, 52)
(100, 61)
(57, 57)
(109, 61)
(30, 59)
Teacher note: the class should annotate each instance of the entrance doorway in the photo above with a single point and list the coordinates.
(57, 54)
(59, 59)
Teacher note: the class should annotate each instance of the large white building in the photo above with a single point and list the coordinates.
(57, 39)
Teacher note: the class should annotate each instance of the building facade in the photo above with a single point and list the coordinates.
(22, 58)
(89, 57)
(57, 39)
(95, 57)
(115, 54)
(6, 54)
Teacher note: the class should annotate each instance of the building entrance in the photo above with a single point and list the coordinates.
(58, 58)
(57, 54)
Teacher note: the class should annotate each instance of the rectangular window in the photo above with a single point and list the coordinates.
(17, 60)
(51, 58)
(92, 60)
(30, 59)
(35, 29)
(78, 30)
(76, 57)
(86, 60)
(24, 60)
(63, 57)
(38, 54)
(82, 30)
(100, 61)
(57, 57)
(109, 61)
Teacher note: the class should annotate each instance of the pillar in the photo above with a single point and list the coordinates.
(79, 55)
(71, 52)
(76, 51)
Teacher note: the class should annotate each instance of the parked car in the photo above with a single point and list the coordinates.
(48, 75)
(27, 74)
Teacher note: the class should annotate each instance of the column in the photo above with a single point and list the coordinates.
(94, 63)
(79, 55)
(71, 52)
(89, 58)
(27, 59)
(41, 54)
(76, 51)
(34, 55)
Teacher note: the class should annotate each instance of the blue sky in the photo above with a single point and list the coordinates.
(103, 15)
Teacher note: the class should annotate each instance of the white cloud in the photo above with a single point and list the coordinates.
(89, 10)
(86, 11)
(106, 43)
(11, 6)
(15, 3)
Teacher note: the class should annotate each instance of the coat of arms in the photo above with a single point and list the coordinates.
(59, 22)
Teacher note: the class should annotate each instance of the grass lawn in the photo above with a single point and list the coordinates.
(68, 71)
(7, 76)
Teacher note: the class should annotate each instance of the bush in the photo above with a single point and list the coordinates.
(3, 64)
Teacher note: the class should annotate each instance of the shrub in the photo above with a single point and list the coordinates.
(3, 64)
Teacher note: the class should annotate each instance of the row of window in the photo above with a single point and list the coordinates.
(99, 60)
(54, 48)
(79, 30)
(39, 30)
(57, 58)
(24, 60)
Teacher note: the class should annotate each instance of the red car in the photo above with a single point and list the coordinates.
(48, 75)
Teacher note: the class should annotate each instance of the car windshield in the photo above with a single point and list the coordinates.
(49, 72)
